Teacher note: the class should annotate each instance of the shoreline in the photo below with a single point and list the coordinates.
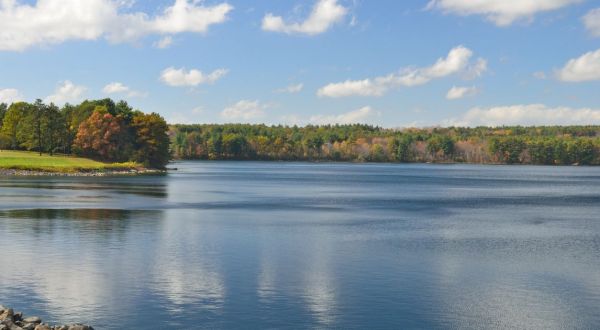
(91, 173)
(175, 161)
(11, 320)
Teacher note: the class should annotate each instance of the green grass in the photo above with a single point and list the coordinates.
(32, 161)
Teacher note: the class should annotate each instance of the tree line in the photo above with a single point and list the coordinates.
(115, 132)
(549, 145)
(98, 129)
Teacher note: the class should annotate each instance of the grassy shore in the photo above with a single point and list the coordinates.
(31, 161)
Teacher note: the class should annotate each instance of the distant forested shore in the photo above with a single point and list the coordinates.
(113, 132)
(548, 145)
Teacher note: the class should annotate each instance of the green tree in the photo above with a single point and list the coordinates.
(235, 146)
(404, 152)
(3, 109)
(151, 140)
(376, 153)
(13, 124)
(53, 128)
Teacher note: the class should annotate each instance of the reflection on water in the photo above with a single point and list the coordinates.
(185, 270)
(271, 245)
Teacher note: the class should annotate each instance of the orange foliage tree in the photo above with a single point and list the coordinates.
(103, 136)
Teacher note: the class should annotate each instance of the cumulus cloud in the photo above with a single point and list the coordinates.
(592, 22)
(164, 42)
(48, 22)
(584, 68)
(325, 14)
(362, 115)
(477, 69)
(10, 95)
(530, 114)
(456, 93)
(366, 87)
(499, 12)
(115, 87)
(291, 89)
(120, 88)
(245, 110)
(181, 77)
(66, 92)
(456, 61)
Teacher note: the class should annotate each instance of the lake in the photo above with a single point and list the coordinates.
(300, 245)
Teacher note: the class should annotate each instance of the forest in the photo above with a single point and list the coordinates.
(549, 145)
(111, 131)
(100, 129)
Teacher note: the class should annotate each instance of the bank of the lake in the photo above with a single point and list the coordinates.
(24, 163)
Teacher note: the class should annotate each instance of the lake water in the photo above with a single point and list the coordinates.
(272, 245)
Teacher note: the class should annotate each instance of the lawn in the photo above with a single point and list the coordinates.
(23, 160)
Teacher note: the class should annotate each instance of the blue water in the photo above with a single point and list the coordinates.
(274, 245)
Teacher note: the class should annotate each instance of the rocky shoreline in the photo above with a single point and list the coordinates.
(132, 172)
(9, 320)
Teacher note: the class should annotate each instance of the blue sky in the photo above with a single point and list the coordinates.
(386, 62)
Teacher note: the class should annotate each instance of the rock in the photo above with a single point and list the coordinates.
(9, 320)
(42, 327)
(80, 327)
(7, 314)
(32, 319)
(10, 325)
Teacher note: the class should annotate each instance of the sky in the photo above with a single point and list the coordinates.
(413, 63)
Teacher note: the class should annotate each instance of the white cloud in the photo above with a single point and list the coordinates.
(362, 115)
(188, 16)
(476, 70)
(245, 110)
(119, 88)
(48, 22)
(531, 114)
(325, 14)
(584, 68)
(456, 61)
(592, 22)
(456, 93)
(10, 95)
(115, 87)
(164, 42)
(367, 87)
(500, 12)
(181, 77)
(291, 89)
(66, 92)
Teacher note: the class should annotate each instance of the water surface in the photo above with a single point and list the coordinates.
(272, 245)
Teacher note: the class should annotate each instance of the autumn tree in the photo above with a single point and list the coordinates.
(102, 136)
